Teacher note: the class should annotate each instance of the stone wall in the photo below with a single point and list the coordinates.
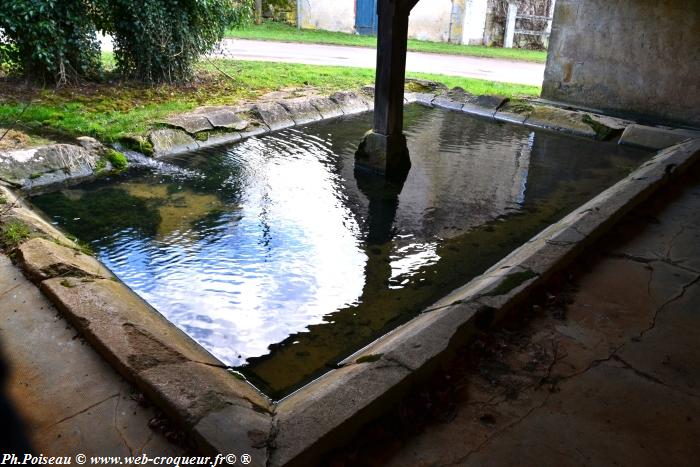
(430, 20)
(636, 57)
(329, 15)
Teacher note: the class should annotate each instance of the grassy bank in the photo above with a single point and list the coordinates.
(110, 111)
(272, 31)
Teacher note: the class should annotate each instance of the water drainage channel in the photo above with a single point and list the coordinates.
(281, 261)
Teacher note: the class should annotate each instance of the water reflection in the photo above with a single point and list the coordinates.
(275, 255)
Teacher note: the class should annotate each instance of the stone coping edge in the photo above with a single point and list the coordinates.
(222, 411)
(330, 410)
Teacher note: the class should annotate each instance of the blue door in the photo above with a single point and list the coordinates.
(366, 17)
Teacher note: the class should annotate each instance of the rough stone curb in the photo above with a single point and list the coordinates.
(223, 412)
(261, 119)
(328, 411)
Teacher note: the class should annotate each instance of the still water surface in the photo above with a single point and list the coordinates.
(280, 260)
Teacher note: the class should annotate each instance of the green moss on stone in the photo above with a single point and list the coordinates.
(602, 132)
(117, 159)
(369, 358)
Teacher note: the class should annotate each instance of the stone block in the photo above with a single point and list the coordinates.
(301, 110)
(191, 123)
(224, 118)
(169, 141)
(47, 166)
(43, 259)
(327, 107)
(652, 138)
(310, 419)
(236, 430)
(350, 102)
(273, 115)
(565, 121)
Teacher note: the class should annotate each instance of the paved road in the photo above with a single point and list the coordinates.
(314, 54)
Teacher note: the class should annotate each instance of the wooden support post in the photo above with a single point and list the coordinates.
(510, 25)
(384, 149)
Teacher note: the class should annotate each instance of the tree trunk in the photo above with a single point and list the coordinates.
(258, 11)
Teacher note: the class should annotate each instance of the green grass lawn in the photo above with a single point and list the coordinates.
(110, 111)
(273, 31)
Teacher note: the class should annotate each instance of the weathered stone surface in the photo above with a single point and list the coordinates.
(483, 106)
(301, 110)
(220, 139)
(147, 349)
(424, 339)
(447, 102)
(423, 98)
(255, 130)
(566, 121)
(92, 410)
(273, 115)
(47, 166)
(510, 117)
(652, 138)
(350, 102)
(425, 86)
(168, 141)
(236, 429)
(224, 118)
(346, 399)
(43, 259)
(90, 144)
(191, 123)
(327, 107)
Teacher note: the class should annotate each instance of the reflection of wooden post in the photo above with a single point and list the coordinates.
(510, 24)
(384, 149)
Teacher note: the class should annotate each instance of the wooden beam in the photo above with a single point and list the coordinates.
(391, 65)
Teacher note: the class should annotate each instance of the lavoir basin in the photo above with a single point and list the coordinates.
(281, 259)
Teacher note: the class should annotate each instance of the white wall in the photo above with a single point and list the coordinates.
(430, 20)
(474, 22)
(329, 15)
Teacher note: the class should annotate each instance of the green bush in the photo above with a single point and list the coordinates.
(49, 40)
(158, 41)
(155, 40)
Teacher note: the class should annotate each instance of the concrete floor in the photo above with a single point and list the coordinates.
(508, 71)
(71, 400)
(606, 372)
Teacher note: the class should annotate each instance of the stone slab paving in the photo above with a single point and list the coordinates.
(70, 399)
(606, 371)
